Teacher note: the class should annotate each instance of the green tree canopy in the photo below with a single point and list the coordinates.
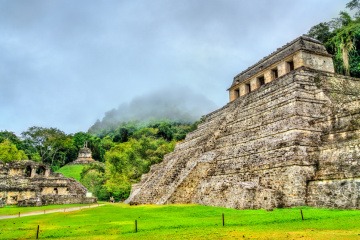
(341, 37)
(93, 178)
(53, 145)
(9, 152)
(126, 162)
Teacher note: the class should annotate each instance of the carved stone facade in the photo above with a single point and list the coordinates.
(28, 183)
(292, 142)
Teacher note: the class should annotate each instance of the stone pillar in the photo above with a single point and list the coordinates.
(298, 60)
(242, 90)
(254, 84)
(230, 95)
(47, 172)
(268, 76)
(33, 171)
(233, 94)
(282, 69)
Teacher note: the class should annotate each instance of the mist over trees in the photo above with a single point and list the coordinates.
(178, 104)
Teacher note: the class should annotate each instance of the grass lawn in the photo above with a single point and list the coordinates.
(116, 221)
(72, 171)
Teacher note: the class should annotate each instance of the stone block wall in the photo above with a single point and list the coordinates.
(289, 143)
(28, 183)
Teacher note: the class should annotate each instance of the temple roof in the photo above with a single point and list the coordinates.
(303, 42)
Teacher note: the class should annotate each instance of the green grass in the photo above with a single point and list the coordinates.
(14, 210)
(116, 221)
(72, 171)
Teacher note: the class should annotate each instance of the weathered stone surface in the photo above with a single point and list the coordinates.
(84, 157)
(293, 141)
(302, 52)
(28, 183)
(303, 44)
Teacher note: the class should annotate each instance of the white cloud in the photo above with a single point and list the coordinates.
(64, 63)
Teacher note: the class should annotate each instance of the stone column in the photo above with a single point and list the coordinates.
(268, 76)
(33, 171)
(47, 172)
(282, 69)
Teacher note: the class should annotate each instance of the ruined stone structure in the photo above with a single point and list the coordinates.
(84, 157)
(288, 137)
(28, 183)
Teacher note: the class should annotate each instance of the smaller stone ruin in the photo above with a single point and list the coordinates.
(28, 183)
(85, 156)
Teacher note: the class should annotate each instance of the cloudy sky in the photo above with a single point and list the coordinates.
(64, 63)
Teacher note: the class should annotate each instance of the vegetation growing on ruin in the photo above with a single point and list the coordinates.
(341, 37)
(117, 221)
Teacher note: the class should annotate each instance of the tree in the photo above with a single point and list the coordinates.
(93, 178)
(80, 138)
(344, 44)
(121, 135)
(9, 152)
(341, 37)
(126, 162)
(53, 145)
(321, 32)
(29, 150)
(96, 146)
(107, 143)
(93, 142)
(11, 137)
(354, 5)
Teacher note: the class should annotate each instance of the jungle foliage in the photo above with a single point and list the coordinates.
(341, 37)
(9, 152)
(130, 150)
